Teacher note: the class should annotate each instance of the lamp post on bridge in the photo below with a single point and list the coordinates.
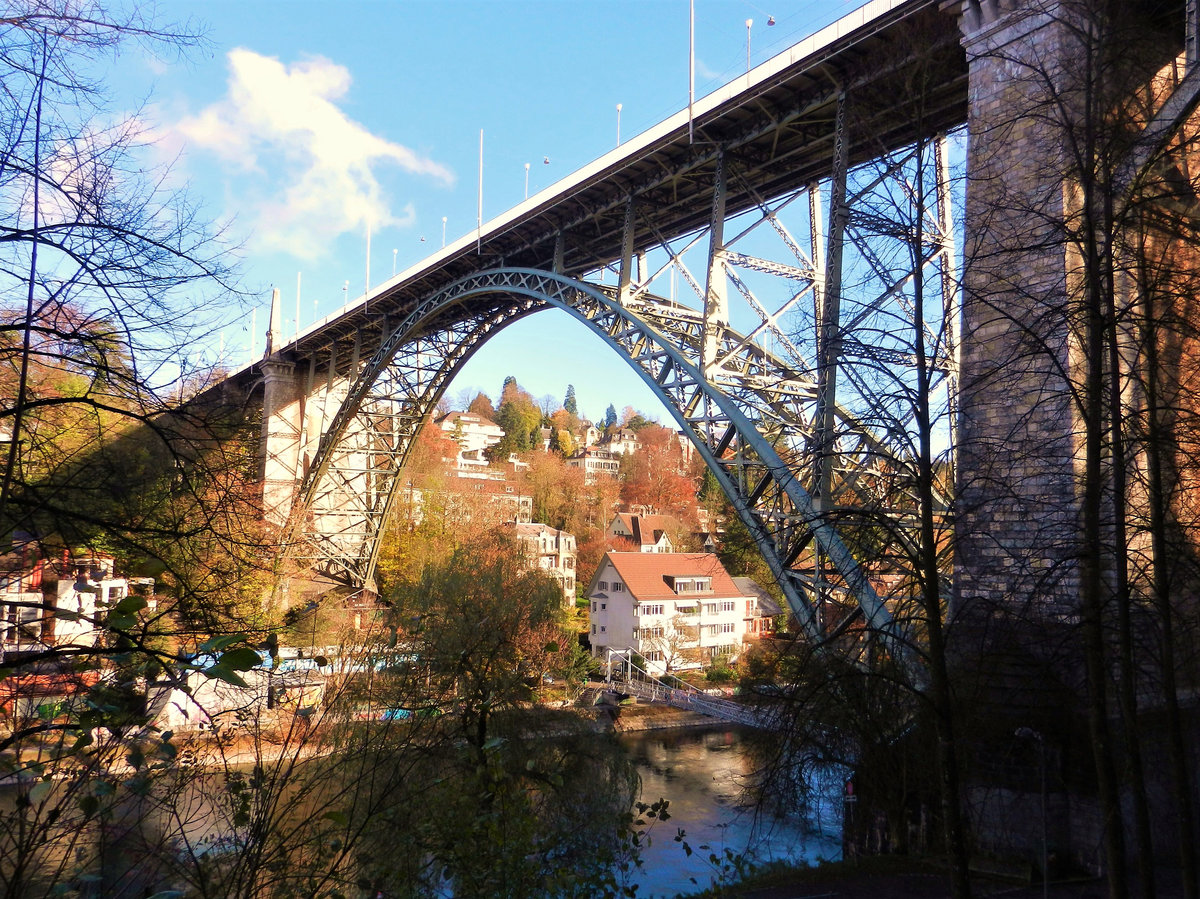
(618, 125)
(749, 23)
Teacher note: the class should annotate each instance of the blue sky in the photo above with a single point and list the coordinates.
(299, 123)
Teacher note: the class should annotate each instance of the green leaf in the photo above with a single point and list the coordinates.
(241, 659)
(218, 643)
(220, 672)
(338, 818)
(40, 791)
(119, 621)
(130, 604)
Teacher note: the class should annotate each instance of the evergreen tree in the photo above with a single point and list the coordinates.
(610, 417)
(569, 403)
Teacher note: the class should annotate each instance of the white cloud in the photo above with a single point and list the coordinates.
(314, 168)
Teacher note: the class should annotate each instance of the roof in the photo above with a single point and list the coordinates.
(647, 530)
(467, 418)
(536, 529)
(767, 606)
(645, 573)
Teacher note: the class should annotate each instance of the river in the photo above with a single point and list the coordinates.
(193, 830)
(705, 774)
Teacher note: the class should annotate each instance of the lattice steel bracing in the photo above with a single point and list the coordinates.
(807, 437)
(779, 271)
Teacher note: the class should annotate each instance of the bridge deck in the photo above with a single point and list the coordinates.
(777, 120)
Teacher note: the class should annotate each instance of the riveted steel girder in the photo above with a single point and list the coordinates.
(356, 475)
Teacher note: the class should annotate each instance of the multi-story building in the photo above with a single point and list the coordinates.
(550, 550)
(596, 463)
(47, 603)
(474, 435)
(675, 610)
(622, 442)
(761, 608)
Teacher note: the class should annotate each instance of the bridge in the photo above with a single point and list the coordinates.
(779, 264)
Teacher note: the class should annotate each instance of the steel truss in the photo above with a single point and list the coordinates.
(807, 438)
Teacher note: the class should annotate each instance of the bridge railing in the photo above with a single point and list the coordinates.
(638, 682)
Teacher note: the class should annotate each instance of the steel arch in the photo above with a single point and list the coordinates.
(346, 498)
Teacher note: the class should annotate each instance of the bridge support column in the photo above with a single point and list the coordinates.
(281, 429)
(1018, 443)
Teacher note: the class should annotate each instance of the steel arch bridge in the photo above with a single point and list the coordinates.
(791, 456)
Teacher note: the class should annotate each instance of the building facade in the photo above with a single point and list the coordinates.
(550, 550)
(675, 610)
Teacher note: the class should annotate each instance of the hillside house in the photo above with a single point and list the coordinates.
(623, 442)
(675, 610)
(474, 435)
(550, 550)
(631, 532)
(596, 463)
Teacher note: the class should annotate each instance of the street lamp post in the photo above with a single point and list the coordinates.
(618, 124)
(443, 232)
(527, 181)
(394, 251)
(749, 22)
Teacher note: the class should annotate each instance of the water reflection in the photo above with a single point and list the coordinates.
(521, 817)
(722, 798)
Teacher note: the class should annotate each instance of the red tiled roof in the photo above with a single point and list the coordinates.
(644, 573)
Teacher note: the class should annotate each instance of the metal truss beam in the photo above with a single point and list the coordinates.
(346, 500)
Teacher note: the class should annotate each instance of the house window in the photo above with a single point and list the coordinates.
(650, 633)
(593, 629)
(728, 606)
(652, 609)
(653, 655)
(603, 585)
(618, 587)
(602, 628)
(593, 607)
(603, 607)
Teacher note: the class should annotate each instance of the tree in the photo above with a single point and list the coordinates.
(521, 420)
(657, 475)
(569, 403)
(610, 417)
(111, 282)
(482, 405)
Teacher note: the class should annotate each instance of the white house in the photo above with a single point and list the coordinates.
(473, 433)
(641, 533)
(675, 610)
(549, 550)
(622, 442)
(45, 603)
(595, 463)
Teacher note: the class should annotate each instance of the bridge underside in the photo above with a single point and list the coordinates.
(810, 352)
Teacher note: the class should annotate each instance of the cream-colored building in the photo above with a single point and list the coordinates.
(550, 550)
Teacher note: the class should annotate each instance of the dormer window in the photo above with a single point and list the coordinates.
(683, 585)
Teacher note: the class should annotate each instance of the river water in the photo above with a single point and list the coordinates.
(705, 774)
(162, 838)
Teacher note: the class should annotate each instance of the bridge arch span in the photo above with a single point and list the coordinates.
(352, 484)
